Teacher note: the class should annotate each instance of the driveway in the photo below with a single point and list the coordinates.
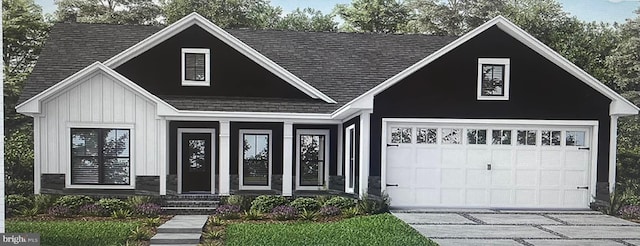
(511, 227)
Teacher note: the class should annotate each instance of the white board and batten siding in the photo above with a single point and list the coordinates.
(98, 102)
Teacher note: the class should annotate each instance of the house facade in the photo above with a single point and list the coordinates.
(493, 118)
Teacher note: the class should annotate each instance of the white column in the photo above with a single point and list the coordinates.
(613, 142)
(224, 157)
(162, 154)
(36, 156)
(287, 159)
(340, 164)
(365, 126)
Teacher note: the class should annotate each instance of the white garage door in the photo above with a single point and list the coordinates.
(482, 165)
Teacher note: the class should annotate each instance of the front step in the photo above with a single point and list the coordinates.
(180, 230)
(191, 204)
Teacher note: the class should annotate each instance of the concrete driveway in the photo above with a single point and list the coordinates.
(510, 227)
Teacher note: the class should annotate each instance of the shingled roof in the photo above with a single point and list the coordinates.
(341, 65)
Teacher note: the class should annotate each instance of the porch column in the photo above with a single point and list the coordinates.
(224, 158)
(162, 152)
(365, 126)
(613, 143)
(287, 159)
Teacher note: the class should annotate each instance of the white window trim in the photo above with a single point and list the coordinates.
(207, 67)
(494, 61)
(241, 159)
(348, 144)
(132, 152)
(212, 132)
(325, 170)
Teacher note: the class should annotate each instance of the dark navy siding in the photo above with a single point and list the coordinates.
(446, 88)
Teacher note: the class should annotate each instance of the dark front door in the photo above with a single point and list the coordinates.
(196, 162)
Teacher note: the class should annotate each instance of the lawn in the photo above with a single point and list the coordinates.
(81, 233)
(382, 229)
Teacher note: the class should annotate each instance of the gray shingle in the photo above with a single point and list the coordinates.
(341, 65)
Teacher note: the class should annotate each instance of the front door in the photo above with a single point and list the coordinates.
(196, 162)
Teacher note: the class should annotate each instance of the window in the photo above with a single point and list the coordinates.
(427, 136)
(195, 67)
(527, 137)
(476, 136)
(451, 136)
(349, 158)
(401, 135)
(575, 138)
(255, 159)
(493, 79)
(501, 137)
(551, 138)
(312, 158)
(100, 156)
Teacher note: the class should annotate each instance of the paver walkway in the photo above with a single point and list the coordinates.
(510, 227)
(180, 230)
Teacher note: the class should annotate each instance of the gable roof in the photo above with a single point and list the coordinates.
(325, 60)
(619, 105)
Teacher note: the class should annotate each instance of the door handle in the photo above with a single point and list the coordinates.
(488, 166)
(396, 185)
(582, 187)
(392, 145)
(584, 148)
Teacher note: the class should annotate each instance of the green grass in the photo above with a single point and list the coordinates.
(382, 229)
(71, 233)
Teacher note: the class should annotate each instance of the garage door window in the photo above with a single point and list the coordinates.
(501, 137)
(401, 135)
(575, 138)
(527, 137)
(451, 136)
(551, 138)
(477, 136)
(427, 136)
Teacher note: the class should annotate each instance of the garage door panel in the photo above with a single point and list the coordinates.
(427, 177)
(428, 157)
(540, 172)
(452, 177)
(453, 157)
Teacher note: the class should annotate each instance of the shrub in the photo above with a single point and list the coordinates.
(91, 210)
(228, 211)
(322, 199)
(308, 215)
(19, 186)
(373, 204)
(264, 203)
(215, 221)
(350, 212)
(18, 202)
(328, 211)
(252, 215)
(59, 211)
(305, 203)
(43, 201)
(340, 202)
(152, 222)
(147, 210)
(630, 212)
(134, 201)
(112, 204)
(213, 235)
(29, 212)
(121, 214)
(140, 234)
(244, 202)
(73, 202)
(284, 212)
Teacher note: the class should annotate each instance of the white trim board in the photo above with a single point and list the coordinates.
(213, 147)
(241, 133)
(243, 48)
(619, 105)
(327, 149)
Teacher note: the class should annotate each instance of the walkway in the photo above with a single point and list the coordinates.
(509, 227)
(180, 230)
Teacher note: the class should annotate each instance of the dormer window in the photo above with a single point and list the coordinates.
(195, 67)
(493, 79)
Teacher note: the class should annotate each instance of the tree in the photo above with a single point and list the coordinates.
(624, 61)
(378, 16)
(109, 11)
(307, 19)
(452, 17)
(256, 14)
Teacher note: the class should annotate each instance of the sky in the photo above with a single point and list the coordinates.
(587, 10)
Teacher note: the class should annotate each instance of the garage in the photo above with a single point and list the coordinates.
(489, 163)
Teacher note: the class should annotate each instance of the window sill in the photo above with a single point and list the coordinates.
(102, 187)
(195, 83)
(311, 188)
(490, 98)
(255, 187)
